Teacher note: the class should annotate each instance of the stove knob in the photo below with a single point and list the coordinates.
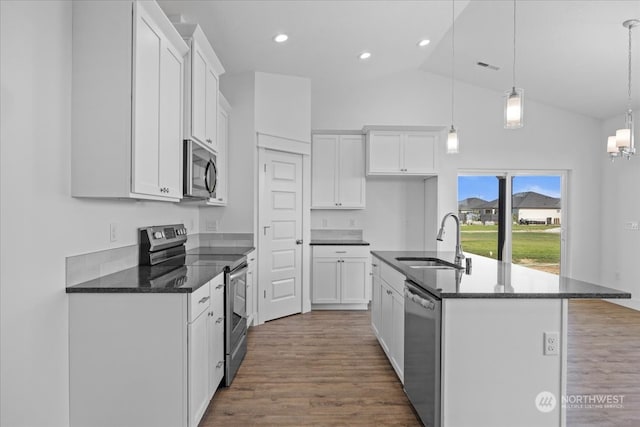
(157, 235)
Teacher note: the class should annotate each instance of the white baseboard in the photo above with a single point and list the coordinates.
(363, 306)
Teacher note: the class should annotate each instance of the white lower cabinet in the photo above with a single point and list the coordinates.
(145, 359)
(252, 287)
(340, 277)
(216, 333)
(387, 314)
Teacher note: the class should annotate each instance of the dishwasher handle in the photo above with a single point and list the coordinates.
(423, 302)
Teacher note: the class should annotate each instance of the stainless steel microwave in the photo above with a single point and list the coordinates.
(200, 171)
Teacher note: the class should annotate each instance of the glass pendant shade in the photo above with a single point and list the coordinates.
(612, 148)
(623, 138)
(452, 141)
(514, 108)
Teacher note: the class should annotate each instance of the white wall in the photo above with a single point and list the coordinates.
(551, 139)
(620, 205)
(40, 223)
(283, 107)
(393, 218)
(238, 215)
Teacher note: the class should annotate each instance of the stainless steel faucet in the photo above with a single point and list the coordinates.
(459, 255)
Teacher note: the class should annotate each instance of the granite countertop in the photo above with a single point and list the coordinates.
(182, 275)
(489, 278)
(338, 242)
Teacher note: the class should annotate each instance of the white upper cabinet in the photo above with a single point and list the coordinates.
(128, 69)
(337, 172)
(402, 152)
(202, 75)
(224, 110)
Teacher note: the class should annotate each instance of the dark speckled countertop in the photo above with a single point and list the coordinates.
(327, 242)
(183, 275)
(489, 278)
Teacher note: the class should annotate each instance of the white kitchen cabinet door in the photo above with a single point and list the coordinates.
(170, 146)
(198, 368)
(211, 138)
(402, 152)
(326, 281)
(351, 174)
(397, 332)
(127, 102)
(337, 172)
(252, 287)
(159, 69)
(324, 171)
(354, 278)
(202, 83)
(198, 93)
(146, 126)
(376, 307)
(419, 153)
(215, 316)
(222, 161)
(384, 153)
(386, 318)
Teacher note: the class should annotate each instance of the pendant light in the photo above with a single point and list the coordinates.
(453, 144)
(514, 98)
(622, 144)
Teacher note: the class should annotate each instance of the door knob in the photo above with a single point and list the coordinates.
(299, 242)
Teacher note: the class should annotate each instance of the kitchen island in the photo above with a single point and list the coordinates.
(492, 348)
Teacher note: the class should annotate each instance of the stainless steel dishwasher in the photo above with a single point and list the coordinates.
(422, 323)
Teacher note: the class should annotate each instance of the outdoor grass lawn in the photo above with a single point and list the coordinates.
(530, 245)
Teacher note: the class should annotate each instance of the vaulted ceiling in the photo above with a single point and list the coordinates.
(571, 54)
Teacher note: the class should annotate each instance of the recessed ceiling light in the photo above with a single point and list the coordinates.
(281, 38)
(365, 55)
(424, 42)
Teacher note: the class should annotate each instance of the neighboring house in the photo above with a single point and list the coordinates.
(471, 209)
(527, 207)
(535, 208)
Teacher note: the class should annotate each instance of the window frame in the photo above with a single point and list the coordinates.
(508, 175)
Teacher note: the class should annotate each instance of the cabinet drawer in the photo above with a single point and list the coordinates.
(393, 277)
(198, 302)
(340, 251)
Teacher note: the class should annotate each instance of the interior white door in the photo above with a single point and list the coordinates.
(280, 228)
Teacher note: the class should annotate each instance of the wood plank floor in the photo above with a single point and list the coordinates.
(325, 368)
(604, 359)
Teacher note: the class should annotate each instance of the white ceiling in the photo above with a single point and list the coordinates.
(571, 54)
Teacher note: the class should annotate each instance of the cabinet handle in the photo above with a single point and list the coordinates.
(220, 364)
(219, 286)
(203, 300)
(220, 319)
(374, 265)
(341, 252)
(252, 259)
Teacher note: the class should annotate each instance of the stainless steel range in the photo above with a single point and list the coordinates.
(165, 246)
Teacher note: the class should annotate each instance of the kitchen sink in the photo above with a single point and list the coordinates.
(425, 263)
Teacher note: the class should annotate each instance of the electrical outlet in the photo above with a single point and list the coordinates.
(325, 222)
(113, 232)
(352, 222)
(212, 225)
(551, 344)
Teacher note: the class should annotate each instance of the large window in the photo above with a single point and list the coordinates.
(515, 217)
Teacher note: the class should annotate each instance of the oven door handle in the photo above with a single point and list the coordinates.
(237, 273)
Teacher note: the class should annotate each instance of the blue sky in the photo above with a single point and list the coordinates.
(486, 187)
